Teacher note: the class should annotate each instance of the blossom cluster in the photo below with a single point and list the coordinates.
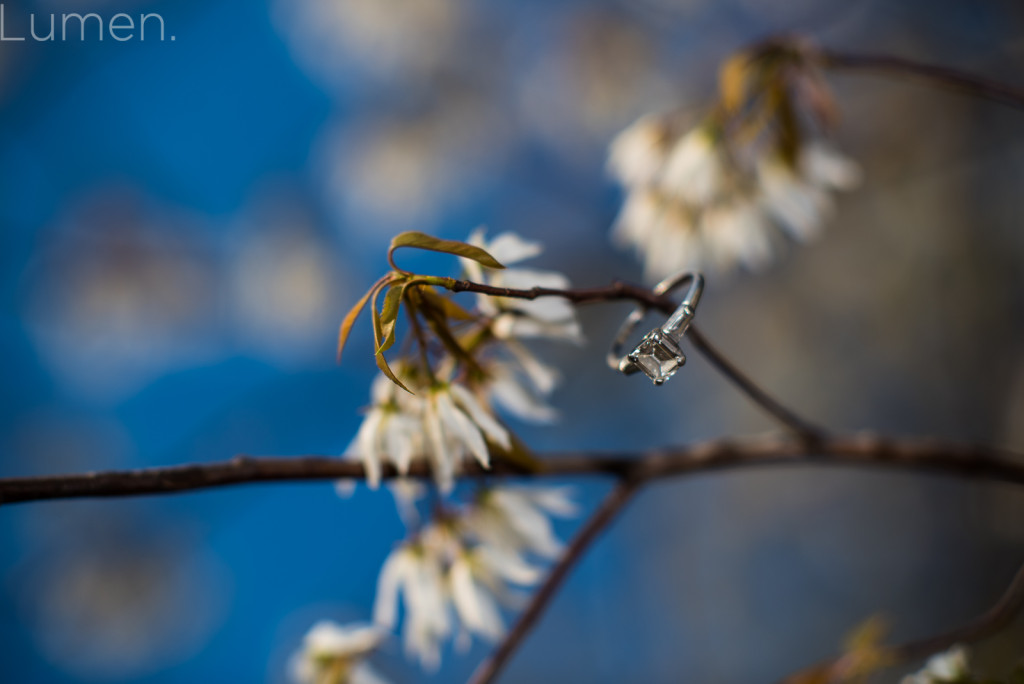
(451, 579)
(708, 195)
(454, 575)
(448, 413)
(455, 572)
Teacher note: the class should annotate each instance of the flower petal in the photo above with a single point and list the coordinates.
(486, 422)
(465, 430)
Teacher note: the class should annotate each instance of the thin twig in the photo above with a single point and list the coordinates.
(625, 291)
(992, 621)
(943, 76)
(595, 525)
(800, 427)
(989, 623)
(923, 455)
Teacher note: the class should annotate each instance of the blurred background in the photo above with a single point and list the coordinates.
(184, 223)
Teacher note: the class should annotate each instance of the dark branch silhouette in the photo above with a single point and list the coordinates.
(588, 534)
(989, 623)
(924, 455)
(945, 77)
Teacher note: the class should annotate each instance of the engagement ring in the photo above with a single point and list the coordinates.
(659, 354)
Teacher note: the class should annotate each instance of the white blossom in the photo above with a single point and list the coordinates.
(702, 200)
(519, 383)
(942, 668)
(547, 317)
(392, 430)
(474, 603)
(638, 154)
(514, 521)
(414, 572)
(443, 422)
(333, 654)
(456, 574)
(457, 425)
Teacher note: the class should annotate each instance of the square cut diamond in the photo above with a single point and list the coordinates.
(658, 356)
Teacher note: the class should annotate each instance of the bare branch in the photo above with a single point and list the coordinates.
(991, 622)
(923, 455)
(942, 76)
(601, 518)
(624, 291)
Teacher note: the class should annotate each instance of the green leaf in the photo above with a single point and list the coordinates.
(382, 363)
(433, 244)
(389, 315)
(351, 316)
(379, 338)
(378, 334)
(446, 305)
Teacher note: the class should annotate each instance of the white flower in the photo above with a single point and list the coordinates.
(444, 422)
(638, 154)
(415, 572)
(392, 430)
(942, 668)
(694, 168)
(456, 424)
(474, 603)
(455, 576)
(798, 199)
(333, 654)
(407, 493)
(513, 521)
(518, 382)
(549, 317)
(704, 200)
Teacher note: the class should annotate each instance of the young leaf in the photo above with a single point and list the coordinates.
(379, 337)
(433, 244)
(446, 305)
(352, 315)
(389, 314)
(382, 363)
(378, 333)
(733, 81)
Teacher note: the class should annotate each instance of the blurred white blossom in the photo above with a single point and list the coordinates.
(334, 654)
(694, 201)
(519, 383)
(708, 192)
(329, 37)
(515, 521)
(414, 573)
(942, 668)
(455, 575)
(391, 432)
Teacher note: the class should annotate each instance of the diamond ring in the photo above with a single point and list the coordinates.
(659, 354)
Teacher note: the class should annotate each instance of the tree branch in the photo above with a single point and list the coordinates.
(595, 525)
(920, 455)
(943, 76)
(991, 622)
(625, 291)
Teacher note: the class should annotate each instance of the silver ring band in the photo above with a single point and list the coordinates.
(659, 354)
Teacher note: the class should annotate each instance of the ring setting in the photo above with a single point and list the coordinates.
(659, 354)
